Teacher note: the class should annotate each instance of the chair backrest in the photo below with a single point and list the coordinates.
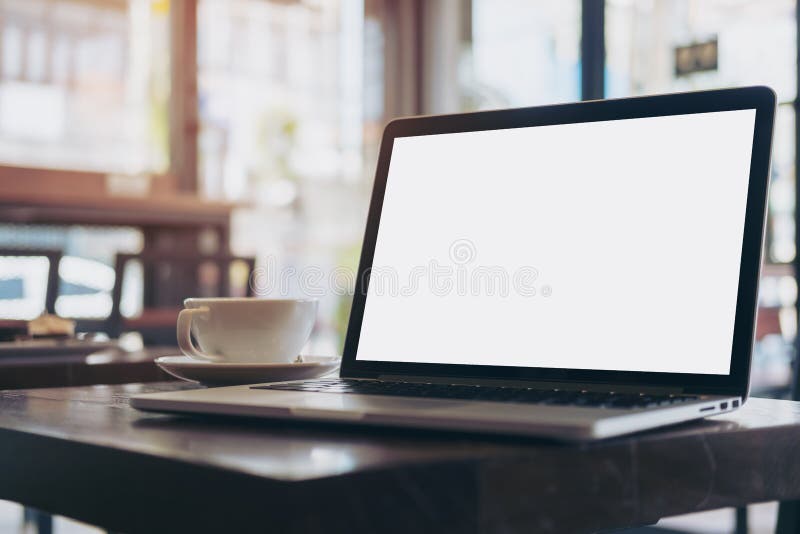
(169, 278)
(54, 259)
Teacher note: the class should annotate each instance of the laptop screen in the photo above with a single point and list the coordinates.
(610, 245)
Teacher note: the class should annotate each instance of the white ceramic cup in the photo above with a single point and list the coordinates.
(245, 330)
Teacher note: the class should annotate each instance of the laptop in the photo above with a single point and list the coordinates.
(575, 272)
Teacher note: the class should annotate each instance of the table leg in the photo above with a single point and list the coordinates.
(741, 520)
(42, 521)
(788, 518)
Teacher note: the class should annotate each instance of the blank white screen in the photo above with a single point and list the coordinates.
(633, 226)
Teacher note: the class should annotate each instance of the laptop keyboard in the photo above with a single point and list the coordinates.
(482, 393)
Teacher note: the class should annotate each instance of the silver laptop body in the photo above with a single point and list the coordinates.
(576, 272)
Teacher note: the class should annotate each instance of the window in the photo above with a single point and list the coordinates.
(281, 96)
(290, 108)
(757, 44)
(84, 85)
(521, 53)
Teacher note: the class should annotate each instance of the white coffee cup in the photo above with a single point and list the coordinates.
(245, 330)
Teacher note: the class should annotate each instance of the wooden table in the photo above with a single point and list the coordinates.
(110, 366)
(84, 453)
(102, 367)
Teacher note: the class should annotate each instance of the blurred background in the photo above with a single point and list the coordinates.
(156, 149)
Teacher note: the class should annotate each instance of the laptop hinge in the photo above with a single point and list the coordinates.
(544, 384)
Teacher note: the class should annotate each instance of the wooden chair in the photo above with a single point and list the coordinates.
(169, 278)
(54, 259)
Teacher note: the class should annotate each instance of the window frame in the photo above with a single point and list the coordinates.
(181, 176)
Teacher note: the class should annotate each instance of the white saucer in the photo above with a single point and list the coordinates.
(212, 373)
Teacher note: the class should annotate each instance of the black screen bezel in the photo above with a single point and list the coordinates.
(762, 99)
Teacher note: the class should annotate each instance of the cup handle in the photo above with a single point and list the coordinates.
(184, 334)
